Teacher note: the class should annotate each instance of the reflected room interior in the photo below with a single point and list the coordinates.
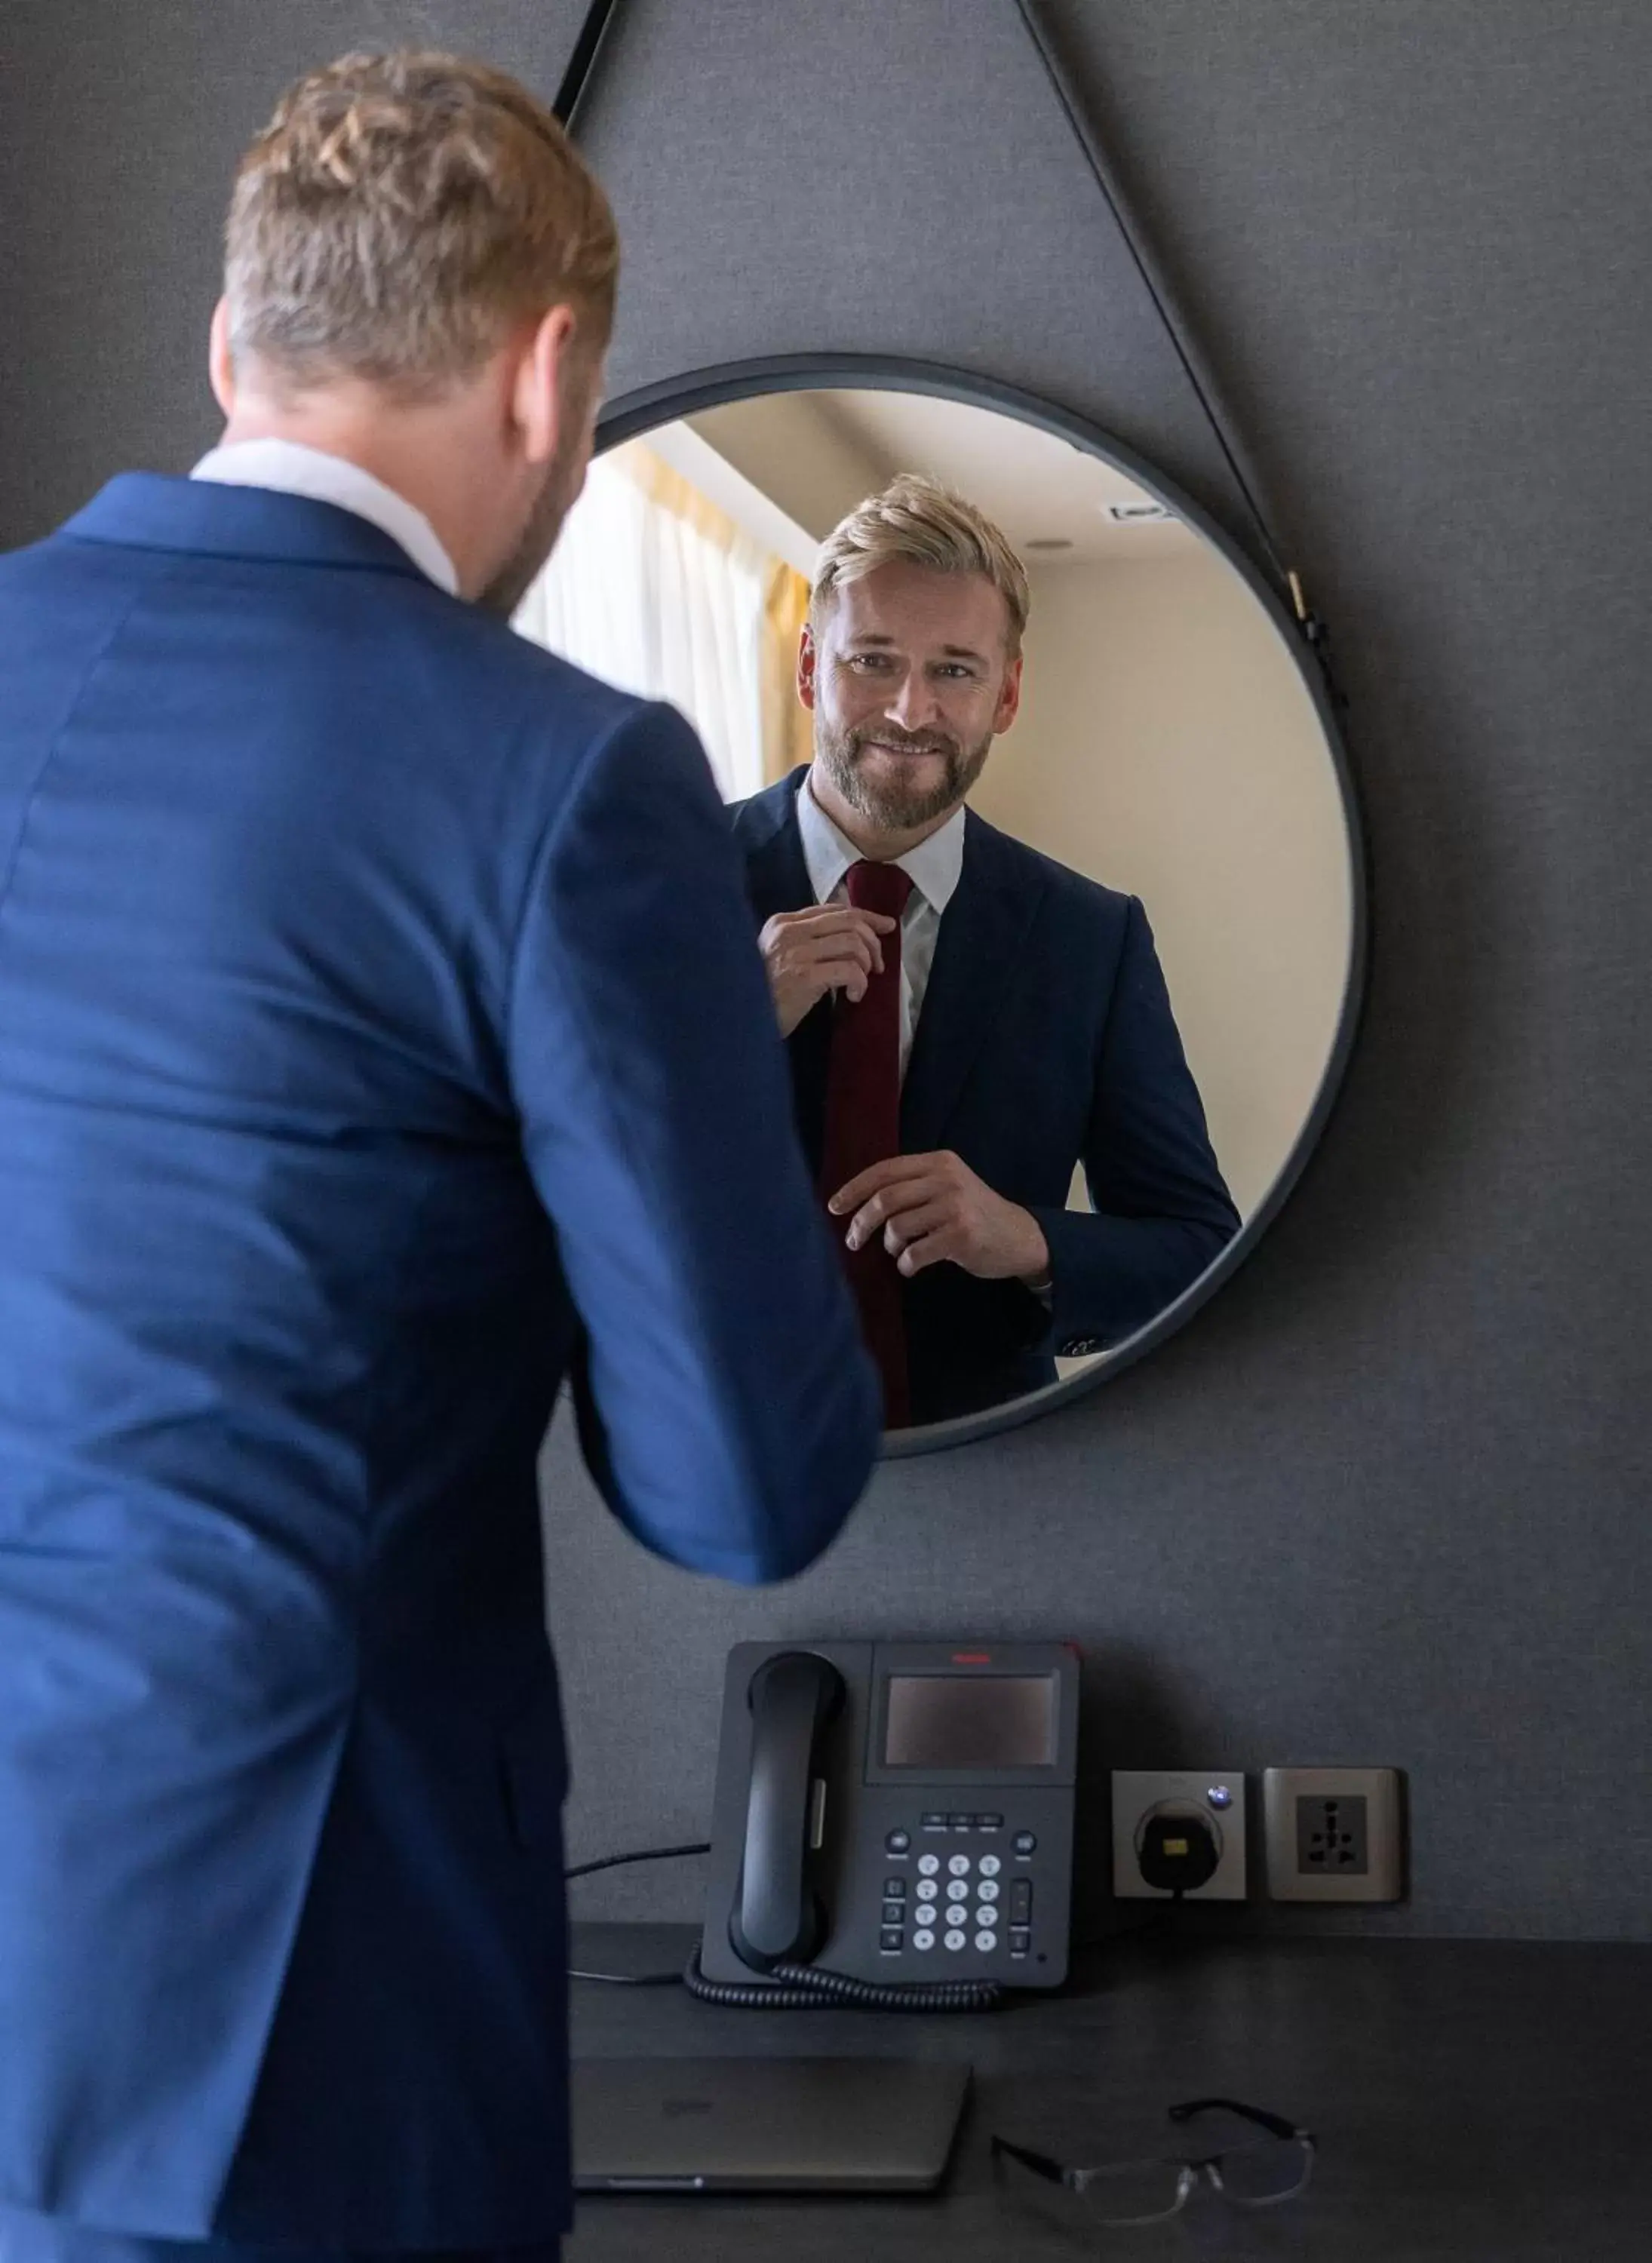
(1166, 746)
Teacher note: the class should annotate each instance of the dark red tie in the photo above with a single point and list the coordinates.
(863, 1126)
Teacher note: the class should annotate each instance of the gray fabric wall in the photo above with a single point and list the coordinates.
(1385, 1500)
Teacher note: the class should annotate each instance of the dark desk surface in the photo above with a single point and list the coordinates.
(1472, 2101)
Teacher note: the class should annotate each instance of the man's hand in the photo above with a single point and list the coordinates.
(932, 1208)
(828, 947)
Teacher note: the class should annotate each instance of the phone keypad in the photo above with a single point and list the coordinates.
(975, 1908)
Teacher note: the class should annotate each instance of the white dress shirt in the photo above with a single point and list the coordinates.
(290, 467)
(933, 867)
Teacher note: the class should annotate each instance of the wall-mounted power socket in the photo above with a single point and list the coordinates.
(1333, 1835)
(1209, 1800)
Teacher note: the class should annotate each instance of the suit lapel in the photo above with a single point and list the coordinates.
(777, 880)
(976, 958)
(777, 874)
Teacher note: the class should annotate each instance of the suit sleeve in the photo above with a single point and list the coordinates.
(1162, 1211)
(727, 1409)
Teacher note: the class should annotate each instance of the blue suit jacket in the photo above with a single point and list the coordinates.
(1046, 1040)
(380, 1037)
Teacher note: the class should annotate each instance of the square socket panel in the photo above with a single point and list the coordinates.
(1216, 1796)
(1333, 1835)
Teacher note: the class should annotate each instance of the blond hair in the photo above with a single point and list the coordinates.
(917, 521)
(399, 214)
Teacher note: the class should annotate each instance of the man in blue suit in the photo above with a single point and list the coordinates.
(381, 1041)
(1028, 1029)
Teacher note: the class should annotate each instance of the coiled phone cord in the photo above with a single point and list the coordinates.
(808, 1988)
(795, 1988)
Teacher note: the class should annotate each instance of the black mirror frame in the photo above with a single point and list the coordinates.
(632, 415)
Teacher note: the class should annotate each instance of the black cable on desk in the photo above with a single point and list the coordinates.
(617, 1862)
(631, 1979)
(643, 1854)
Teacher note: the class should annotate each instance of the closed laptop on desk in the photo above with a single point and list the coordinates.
(764, 2124)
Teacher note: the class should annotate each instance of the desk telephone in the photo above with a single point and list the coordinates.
(892, 1825)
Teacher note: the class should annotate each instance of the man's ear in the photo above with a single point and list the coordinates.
(539, 392)
(1009, 696)
(806, 659)
(220, 362)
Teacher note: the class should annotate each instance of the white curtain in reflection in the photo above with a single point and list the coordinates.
(654, 588)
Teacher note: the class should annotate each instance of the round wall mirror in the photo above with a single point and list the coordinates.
(1050, 842)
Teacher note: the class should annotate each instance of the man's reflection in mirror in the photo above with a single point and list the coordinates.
(967, 1020)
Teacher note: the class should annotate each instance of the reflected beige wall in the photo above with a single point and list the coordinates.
(1166, 746)
(798, 452)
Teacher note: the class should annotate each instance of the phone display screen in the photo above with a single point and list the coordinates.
(970, 1721)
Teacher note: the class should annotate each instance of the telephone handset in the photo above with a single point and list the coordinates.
(893, 1825)
(778, 1916)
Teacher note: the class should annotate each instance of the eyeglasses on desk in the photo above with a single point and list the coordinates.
(1257, 2172)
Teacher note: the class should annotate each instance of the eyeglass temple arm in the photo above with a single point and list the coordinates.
(1259, 2115)
(1042, 2164)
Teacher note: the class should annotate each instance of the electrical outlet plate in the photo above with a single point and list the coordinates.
(1333, 1835)
(1215, 1795)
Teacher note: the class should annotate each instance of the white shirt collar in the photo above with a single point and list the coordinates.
(934, 866)
(291, 467)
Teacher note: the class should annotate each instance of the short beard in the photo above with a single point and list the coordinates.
(558, 494)
(897, 809)
(516, 576)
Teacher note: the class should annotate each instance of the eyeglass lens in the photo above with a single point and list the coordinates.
(1122, 2192)
(1269, 2169)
